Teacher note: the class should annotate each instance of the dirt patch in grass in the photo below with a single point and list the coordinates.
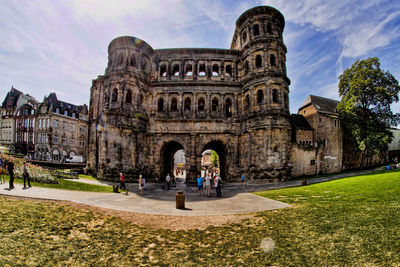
(169, 222)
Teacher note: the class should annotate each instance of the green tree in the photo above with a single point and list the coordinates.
(214, 158)
(367, 93)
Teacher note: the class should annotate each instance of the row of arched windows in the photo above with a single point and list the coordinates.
(260, 98)
(256, 31)
(128, 96)
(215, 70)
(200, 105)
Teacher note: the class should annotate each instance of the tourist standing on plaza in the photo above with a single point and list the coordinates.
(217, 185)
(140, 184)
(122, 181)
(26, 175)
(10, 167)
(2, 174)
(168, 181)
(200, 184)
(243, 179)
(208, 184)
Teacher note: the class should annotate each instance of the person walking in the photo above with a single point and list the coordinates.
(168, 181)
(122, 181)
(2, 170)
(140, 184)
(143, 183)
(208, 184)
(10, 167)
(200, 184)
(26, 175)
(217, 185)
(243, 180)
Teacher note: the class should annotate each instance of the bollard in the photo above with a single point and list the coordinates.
(180, 200)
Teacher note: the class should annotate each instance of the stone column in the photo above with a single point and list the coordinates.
(208, 104)
(235, 105)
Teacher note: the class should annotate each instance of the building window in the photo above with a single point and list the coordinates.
(72, 141)
(214, 105)
(175, 70)
(272, 60)
(55, 139)
(189, 70)
(215, 70)
(82, 142)
(256, 30)
(64, 140)
(228, 70)
(66, 113)
(56, 122)
(115, 95)
(39, 138)
(244, 37)
(202, 70)
(40, 123)
(174, 104)
(163, 71)
(160, 105)
(312, 162)
(228, 108)
(275, 98)
(188, 104)
(32, 112)
(269, 28)
(128, 98)
(72, 127)
(247, 102)
(57, 110)
(64, 125)
(258, 61)
(260, 97)
(73, 115)
(201, 104)
(82, 129)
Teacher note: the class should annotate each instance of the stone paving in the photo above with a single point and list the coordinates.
(236, 199)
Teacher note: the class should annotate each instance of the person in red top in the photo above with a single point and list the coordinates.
(122, 180)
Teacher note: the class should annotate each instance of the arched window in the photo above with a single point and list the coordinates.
(244, 37)
(188, 104)
(228, 70)
(202, 70)
(246, 67)
(128, 98)
(174, 104)
(163, 71)
(275, 97)
(269, 28)
(189, 70)
(160, 105)
(286, 100)
(132, 61)
(141, 101)
(256, 30)
(115, 95)
(228, 108)
(214, 105)
(175, 70)
(260, 96)
(215, 70)
(201, 104)
(247, 102)
(272, 60)
(258, 61)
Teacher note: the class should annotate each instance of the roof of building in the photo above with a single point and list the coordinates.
(299, 122)
(52, 101)
(10, 101)
(323, 105)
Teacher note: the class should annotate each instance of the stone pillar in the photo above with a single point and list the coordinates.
(208, 104)
(268, 95)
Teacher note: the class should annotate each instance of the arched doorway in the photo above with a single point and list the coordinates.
(220, 148)
(167, 154)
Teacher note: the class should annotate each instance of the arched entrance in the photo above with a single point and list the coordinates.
(168, 151)
(221, 150)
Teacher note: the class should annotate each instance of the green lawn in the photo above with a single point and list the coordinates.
(348, 222)
(70, 185)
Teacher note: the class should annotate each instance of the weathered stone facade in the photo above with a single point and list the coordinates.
(151, 103)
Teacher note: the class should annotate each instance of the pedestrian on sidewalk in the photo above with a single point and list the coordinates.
(10, 167)
(200, 184)
(140, 184)
(168, 181)
(122, 181)
(26, 175)
(217, 185)
(208, 184)
(2, 170)
(243, 179)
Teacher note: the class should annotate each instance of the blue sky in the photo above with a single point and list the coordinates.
(60, 46)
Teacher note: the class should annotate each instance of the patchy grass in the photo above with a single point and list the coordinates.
(70, 185)
(348, 222)
(87, 177)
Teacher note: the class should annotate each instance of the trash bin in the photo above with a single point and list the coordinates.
(115, 188)
(180, 200)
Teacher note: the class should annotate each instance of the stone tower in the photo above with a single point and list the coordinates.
(265, 89)
(118, 115)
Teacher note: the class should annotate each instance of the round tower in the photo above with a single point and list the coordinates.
(265, 91)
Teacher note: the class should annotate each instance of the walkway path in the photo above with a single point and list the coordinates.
(236, 199)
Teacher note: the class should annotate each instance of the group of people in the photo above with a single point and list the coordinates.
(141, 181)
(208, 182)
(170, 182)
(7, 165)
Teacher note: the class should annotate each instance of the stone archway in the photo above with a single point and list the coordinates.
(166, 157)
(220, 148)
